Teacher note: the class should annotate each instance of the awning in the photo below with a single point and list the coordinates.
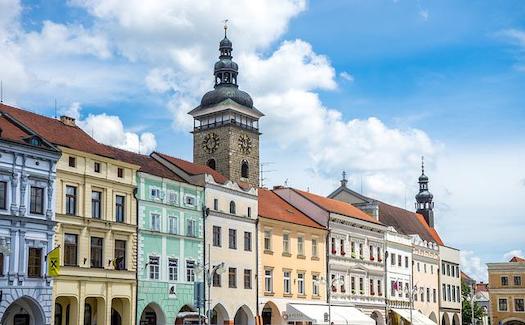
(317, 314)
(417, 317)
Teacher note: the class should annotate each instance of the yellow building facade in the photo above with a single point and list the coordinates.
(507, 292)
(96, 233)
(292, 260)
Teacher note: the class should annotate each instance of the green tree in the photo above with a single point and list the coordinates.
(466, 307)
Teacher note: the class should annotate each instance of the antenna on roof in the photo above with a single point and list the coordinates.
(361, 183)
(1, 91)
(139, 145)
(56, 108)
(264, 171)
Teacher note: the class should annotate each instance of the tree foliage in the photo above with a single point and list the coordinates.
(466, 308)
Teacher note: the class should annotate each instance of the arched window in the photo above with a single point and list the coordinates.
(245, 170)
(232, 207)
(211, 164)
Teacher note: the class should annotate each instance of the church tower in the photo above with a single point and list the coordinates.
(424, 204)
(226, 124)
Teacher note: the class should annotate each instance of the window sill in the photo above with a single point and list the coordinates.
(315, 258)
(269, 293)
(286, 254)
(288, 295)
(301, 296)
(302, 257)
(316, 297)
(269, 252)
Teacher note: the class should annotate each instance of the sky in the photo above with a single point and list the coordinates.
(362, 86)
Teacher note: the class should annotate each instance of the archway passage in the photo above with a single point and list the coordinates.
(23, 311)
(378, 317)
(219, 315)
(94, 311)
(66, 310)
(244, 316)
(514, 322)
(120, 311)
(445, 319)
(116, 319)
(455, 319)
(188, 315)
(270, 314)
(152, 315)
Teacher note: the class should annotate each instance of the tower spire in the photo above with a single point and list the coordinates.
(225, 27)
(424, 203)
(344, 181)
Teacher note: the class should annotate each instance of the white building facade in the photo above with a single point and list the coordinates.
(450, 285)
(27, 221)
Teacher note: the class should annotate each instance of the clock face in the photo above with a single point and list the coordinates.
(210, 142)
(245, 143)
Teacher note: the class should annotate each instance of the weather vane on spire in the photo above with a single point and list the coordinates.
(225, 26)
(422, 164)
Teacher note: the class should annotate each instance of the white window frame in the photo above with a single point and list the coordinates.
(154, 269)
(268, 280)
(153, 224)
(300, 283)
(300, 245)
(173, 270)
(192, 198)
(175, 194)
(173, 222)
(315, 247)
(286, 242)
(269, 238)
(315, 285)
(287, 282)
(190, 277)
(158, 192)
(193, 224)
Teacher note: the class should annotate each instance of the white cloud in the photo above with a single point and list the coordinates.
(472, 266)
(423, 13)
(72, 111)
(346, 76)
(510, 254)
(516, 36)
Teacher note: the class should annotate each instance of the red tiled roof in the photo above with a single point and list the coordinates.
(57, 132)
(336, 206)
(146, 163)
(517, 259)
(196, 169)
(481, 287)
(272, 206)
(407, 222)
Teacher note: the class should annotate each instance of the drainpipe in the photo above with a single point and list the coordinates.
(135, 192)
(257, 270)
(385, 284)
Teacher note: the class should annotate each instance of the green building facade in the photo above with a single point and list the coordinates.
(170, 246)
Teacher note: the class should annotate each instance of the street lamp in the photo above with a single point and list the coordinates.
(336, 281)
(209, 271)
(472, 296)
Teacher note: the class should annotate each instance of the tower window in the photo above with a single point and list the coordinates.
(245, 169)
(211, 164)
(232, 207)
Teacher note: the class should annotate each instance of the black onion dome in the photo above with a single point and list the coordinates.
(226, 64)
(225, 43)
(423, 178)
(424, 196)
(220, 94)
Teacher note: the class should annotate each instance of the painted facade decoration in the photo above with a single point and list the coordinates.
(27, 221)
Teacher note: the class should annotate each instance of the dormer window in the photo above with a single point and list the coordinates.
(35, 141)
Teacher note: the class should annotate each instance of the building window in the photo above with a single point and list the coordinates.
(1, 264)
(247, 241)
(361, 286)
(216, 279)
(268, 281)
(502, 304)
(399, 262)
(444, 292)
(232, 277)
(361, 250)
(425, 267)
(428, 294)
(215, 204)
(449, 293)
(393, 259)
(232, 238)
(3, 195)
(352, 284)
(371, 287)
(71, 200)
(249, 212)
(406, 262)
(190, 271)
(191, 229)
(518, 305)
(155, 193)
(422, 294)
(379, 288)
(96, 252)
(286, 243)
(96, 167)
(173, 223)
(267, 240)
(155, 222)
(418, 267)
(504, 280)
(315, 285)
(72, 161)
(287, 282)
(34, 263)
(314, 247)
(517, 280)
(300, 283)
(120, 172)
(216, 236)
(458, 292)
(36, 200)
(448, 269)
(120, 254)
(434, 299)
(247, 279)
(189, 200)
(173, 197)
(211, 163)
(232, 207)
(300, 245)
(70, 249)
(154, 267)
(245, 169)
(96, 204)
(443, 268)
(173, 269)
(119, 208)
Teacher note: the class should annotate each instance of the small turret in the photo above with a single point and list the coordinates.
(424, 204)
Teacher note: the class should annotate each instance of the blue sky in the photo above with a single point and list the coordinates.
(365, 86)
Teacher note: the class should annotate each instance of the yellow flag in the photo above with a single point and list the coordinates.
(53, 262)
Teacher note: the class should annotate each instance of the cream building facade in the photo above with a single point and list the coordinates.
(450, 284)
(425, 270)
(96, 230)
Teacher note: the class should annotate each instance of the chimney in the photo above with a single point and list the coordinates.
(69, 121)
(278, 187)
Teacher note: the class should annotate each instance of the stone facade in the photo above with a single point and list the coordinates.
(166, 209)
(228, 154)
(26, 232)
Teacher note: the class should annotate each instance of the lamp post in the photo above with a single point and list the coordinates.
(332, 282)
(209, 271)
(472, 296)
